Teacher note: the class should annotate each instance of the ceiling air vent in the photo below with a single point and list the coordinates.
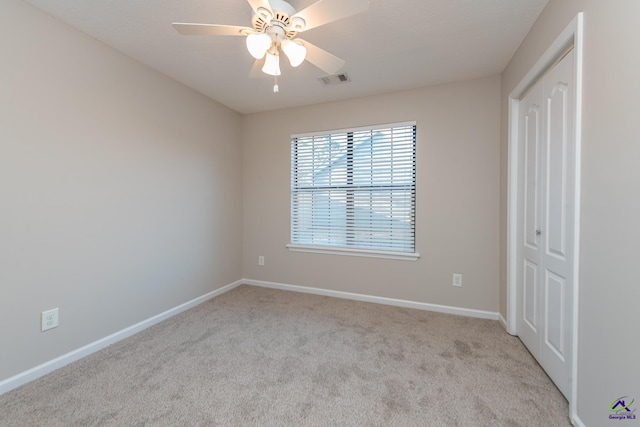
(335, 79)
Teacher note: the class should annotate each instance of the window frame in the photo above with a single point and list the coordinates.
(354, 251)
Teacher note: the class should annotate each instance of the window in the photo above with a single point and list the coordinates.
(353, 191)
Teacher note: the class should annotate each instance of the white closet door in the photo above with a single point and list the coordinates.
(547, 175)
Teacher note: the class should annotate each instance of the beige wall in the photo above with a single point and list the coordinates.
(609, 350)
(457, 196)
(119, 188)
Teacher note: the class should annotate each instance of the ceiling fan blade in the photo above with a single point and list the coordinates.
(322, 59)
(325, 11)
(190, 29)
(256, 70)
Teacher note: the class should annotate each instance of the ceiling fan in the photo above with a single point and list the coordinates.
(275, 25)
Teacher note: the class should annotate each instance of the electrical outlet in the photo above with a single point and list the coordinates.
(49, 319)
(260, 260)
(457, 280)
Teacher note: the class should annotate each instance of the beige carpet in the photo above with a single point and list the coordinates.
(262, 357)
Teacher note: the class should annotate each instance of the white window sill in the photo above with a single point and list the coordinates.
(354, 252)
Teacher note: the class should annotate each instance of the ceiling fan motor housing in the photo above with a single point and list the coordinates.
(276, 24)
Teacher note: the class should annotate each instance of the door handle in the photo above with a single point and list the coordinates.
(538, 232)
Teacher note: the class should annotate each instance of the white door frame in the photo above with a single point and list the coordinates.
(572, 35)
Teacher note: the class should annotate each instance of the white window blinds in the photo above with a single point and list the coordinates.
(355, 189)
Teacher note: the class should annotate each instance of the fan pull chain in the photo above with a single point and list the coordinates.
(275, 78)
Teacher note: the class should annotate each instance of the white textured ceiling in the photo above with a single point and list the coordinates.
(395, 45)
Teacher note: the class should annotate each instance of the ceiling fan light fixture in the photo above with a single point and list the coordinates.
(258, 44)
(295, 51)
(272, 65)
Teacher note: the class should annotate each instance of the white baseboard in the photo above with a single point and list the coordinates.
(378, 300)
(50, 366)
(503, 322)
(576, 421)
